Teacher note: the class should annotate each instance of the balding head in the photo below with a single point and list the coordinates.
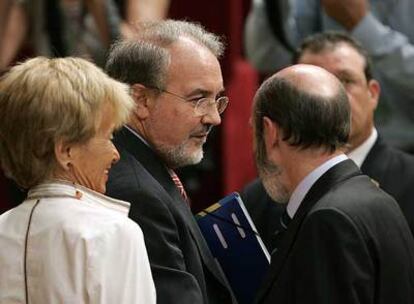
(308, 104)
(311, 80)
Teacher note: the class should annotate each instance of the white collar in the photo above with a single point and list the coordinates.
(60, 188)
(304, 186)
(359, 154)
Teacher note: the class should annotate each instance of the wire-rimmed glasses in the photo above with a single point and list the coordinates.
(203, 105)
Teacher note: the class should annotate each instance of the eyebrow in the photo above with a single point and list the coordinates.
(206, 92)
(345, 73)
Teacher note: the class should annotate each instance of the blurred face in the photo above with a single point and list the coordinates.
(172, 127)
(348, 66)
(91, 161)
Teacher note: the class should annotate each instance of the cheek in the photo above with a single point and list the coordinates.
(110, 154)
(355, 103)
(102, 155)
(174, 127)
(351, 97)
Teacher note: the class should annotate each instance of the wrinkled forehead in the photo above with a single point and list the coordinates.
(339, 56)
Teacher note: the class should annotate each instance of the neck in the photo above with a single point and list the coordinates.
(139, 130)
(309, 160)
(138, 126)
(358, 140)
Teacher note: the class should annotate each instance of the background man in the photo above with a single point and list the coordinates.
(392, 169)
(176, 81)
(346, 59)
(275, 28)
(348, 241)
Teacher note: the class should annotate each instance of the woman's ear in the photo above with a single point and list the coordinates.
(142, 98)
(63, 154)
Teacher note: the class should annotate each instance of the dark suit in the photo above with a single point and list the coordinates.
(347, 243)
(394, 171)
(183, 268)
(10, 194)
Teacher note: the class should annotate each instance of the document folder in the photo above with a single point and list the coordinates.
(235, 243)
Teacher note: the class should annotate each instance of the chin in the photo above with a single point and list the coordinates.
(101, 189)
(182, 155)
(187, 159)
(197, 155)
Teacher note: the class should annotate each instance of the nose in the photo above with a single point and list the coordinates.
(116, 156)
(212, 117)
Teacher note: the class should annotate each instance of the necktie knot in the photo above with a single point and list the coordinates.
(285, 220)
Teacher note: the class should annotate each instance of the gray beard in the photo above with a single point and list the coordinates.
(275, 189)
(177, 157)
(270, 174)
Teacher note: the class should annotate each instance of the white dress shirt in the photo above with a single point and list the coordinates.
(359, 154)
(304, 186)
(68, 244)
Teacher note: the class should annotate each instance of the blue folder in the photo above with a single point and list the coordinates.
(235, 243)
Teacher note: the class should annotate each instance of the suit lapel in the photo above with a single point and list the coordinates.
(377, 162)
(155, 166)
(324, 184)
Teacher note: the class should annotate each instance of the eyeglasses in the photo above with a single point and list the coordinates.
(203, 106)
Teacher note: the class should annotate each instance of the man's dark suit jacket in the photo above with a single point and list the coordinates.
(394, 171)
(183, 268)
(347, 243)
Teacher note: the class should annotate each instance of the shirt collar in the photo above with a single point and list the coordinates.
(137, 135)
(304, 186)
(359, 154)
(145, 142)
(60, 188)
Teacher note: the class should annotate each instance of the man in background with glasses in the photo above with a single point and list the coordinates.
(177, 85)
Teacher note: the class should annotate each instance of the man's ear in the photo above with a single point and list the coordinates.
(63, 154)
(142, 98)
(270, 135)
(374, 92)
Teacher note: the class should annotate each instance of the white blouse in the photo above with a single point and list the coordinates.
(68, 244)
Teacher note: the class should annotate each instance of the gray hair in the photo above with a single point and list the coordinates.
(145, 59)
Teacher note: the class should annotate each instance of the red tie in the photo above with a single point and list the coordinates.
(180, 186)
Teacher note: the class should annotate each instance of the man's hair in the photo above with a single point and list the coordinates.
(306, 120)
(329, 40)
(44, 101)
(145, 59)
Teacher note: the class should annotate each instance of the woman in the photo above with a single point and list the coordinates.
(67, 242)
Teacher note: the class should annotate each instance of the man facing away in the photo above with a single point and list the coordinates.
(383, 27)
(177, 85)
(344, 57)
(392, 169)
(347, 241)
